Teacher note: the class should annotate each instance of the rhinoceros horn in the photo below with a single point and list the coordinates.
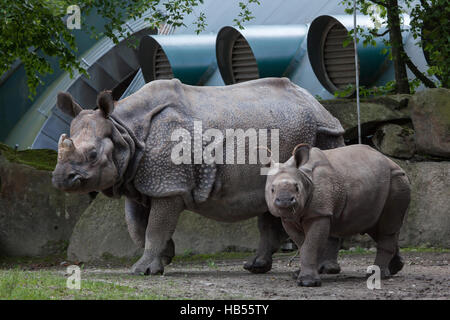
(65, 145)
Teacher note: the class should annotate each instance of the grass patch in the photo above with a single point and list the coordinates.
(41, 159)
(46, 285)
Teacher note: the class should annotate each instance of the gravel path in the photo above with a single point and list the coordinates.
(425, 276)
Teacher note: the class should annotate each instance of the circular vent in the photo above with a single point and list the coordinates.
(339, 61)
(243, 62)
(162, 68)
(235, 57)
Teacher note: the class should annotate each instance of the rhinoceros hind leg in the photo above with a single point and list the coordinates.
(388, 227)
(272, 236)
(396, 263)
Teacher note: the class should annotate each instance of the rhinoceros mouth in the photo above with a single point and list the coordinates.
(71, 183)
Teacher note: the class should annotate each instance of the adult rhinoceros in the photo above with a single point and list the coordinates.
(124, 148)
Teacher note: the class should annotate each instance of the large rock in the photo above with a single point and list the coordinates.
(395, 140)
(101, 234)
(428, 218)
(35, 218)
(431, 120)
(373, 113)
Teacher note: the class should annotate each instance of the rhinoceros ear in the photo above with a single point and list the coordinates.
(105, 102)
(301, 154)
(65, 102)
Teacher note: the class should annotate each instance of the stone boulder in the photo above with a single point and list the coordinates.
(395, 141)
(428, 218)
(431, 120)
(101, 234)
(35, 218)
(373, 113)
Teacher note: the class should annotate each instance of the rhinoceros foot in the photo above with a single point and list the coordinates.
(329, 267)
(396, 264)
(309, 281)
(148, 265)
(258, 265)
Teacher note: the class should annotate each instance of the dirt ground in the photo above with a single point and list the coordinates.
(425, 276)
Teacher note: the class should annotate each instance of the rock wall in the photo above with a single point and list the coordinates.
(101, 234)
(35, 218)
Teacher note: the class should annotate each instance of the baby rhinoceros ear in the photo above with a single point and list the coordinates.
(105, 102)
(301, 154)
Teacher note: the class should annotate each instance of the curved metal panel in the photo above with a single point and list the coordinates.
(273, 47)
(189, 58)
(333, 64)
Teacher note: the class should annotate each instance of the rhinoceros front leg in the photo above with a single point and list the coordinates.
(272, 235)
(162, 221)
(316, 237)
(136, 216)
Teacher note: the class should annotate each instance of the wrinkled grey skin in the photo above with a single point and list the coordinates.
(124, 148)
(339, 192)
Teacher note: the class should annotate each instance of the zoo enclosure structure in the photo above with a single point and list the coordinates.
(284, 39)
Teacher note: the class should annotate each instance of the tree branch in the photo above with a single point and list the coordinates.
(379, 34)
(380, 3)
(427, 82)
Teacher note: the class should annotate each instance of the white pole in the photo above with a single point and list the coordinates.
(357, 71)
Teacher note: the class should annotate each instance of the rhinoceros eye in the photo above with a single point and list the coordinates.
(296, 187)
(92, 155)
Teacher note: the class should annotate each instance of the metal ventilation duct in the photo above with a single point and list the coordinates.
(339, 61)
(162, 68)
(243, 62)
(258, 51)
(190, 58)
(334, 64)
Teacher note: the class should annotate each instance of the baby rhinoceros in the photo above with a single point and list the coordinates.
(339, 192)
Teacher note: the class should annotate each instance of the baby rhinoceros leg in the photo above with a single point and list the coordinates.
(316, 237)
(159, 247)
(387, 230)
(328, 259)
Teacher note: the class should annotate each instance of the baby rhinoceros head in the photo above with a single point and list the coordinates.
(85, 160)
(288, 188)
